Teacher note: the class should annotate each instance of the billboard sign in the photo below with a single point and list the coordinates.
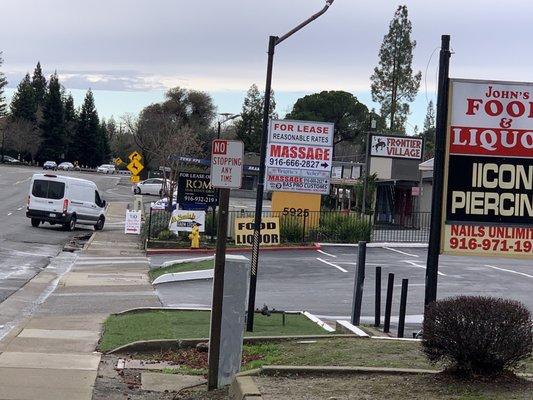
(488, 196)
(244, 231)
(396, 147)
(299, 156)
(184, 220)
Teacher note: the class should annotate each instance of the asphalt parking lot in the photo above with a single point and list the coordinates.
(321, 282)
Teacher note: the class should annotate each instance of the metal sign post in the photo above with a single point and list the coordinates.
(226, 172)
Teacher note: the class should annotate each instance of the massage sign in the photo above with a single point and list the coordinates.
(488, 197)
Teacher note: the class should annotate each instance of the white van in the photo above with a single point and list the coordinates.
(64, 200)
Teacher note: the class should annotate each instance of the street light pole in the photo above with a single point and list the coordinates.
(272, 43)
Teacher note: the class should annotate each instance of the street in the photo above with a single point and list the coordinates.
(25, 250)
(321, 282)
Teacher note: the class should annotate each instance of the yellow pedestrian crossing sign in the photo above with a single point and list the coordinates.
(135, 167)
(135, 156)
(118, 161)
(135, 178)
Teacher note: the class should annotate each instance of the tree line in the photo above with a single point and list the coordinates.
(42, 123)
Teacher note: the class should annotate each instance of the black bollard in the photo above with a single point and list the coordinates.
(377, 302)
(403, 306)
(388, 303)
(358, 284)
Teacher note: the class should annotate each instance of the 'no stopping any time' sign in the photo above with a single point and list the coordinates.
(226, 164)
(299, 156)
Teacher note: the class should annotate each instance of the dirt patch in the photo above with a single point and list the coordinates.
(126, 384)
(389, 387)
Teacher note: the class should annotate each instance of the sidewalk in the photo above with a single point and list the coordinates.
(53, 356)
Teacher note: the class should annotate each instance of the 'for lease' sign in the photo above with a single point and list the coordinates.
(488, 197)
(299, 156)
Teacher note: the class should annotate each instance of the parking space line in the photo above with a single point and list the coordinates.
(327, 254)
(509, 270)
(420, 266)
(333, 265)
(401, 252)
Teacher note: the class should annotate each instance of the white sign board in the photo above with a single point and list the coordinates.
(299, 156)
(133, 223)
(184, 220)
(396, 147)
(227, 158)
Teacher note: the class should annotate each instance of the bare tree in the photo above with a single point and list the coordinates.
(23, 136)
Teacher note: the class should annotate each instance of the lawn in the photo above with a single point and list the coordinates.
(172, 324)
(185, 267)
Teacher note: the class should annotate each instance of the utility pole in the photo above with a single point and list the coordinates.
(272, 43)
(432, 268)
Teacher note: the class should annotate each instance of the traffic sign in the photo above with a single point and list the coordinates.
(135, 179)
(299, 156)
(118, 161)
(135, 167)
(135, 156)
(226, 164)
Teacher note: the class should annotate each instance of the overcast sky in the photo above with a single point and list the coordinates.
(130, 51)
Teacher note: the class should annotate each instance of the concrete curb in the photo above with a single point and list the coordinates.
(184, 276)
(244, 388)
(377, 244)
(347, 327)
(318, 321)
(154, 252)
(169, 344)
(186, 260)
(88, 243)
(288, 369)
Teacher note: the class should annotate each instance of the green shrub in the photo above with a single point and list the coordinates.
(476, 334)
(166, 235)
(342, 228)
(159, 222)
(290, 230)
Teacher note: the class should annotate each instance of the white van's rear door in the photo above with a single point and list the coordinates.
(47, 195)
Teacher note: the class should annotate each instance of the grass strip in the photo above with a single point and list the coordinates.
(185, 267)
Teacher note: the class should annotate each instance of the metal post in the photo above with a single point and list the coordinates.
(218, 290)
(377, 303)
(150, 224)
(359, 284)
(367, 172)
(403, 305)
(260, 188)
(272, 43)
(303, 227)
(438, 173)
(388, 303)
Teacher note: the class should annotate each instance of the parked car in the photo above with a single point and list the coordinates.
(106, 169)
(50, 165)
(65, 166)
(150, 186)
(64, 200)
(11, 160)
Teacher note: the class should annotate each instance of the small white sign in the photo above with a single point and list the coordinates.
(307, 133)
(396, 147)
(133, 223)
(184, 220)
(227, 158)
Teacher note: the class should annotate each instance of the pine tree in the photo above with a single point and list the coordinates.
(394, 85)
(249, 127)
(3, 83)
(429, 132)
(71, 125)
(87, 135)
(53, 124)
(23, 104)
(103, 152)
(38, 81)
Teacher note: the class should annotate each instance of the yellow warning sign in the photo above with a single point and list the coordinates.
(135, 167)
(135, 178)
(118, 161)
(135, 156)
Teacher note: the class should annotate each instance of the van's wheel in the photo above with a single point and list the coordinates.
(70, 225)
(35, 222)
(100, 224)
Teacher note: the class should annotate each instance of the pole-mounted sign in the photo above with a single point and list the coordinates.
(488, 199)
(226, 164)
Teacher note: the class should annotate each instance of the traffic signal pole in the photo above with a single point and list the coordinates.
(272, 43)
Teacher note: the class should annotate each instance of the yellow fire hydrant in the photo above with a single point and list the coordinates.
(195, 237)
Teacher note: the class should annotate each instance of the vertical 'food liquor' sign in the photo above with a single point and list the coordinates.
(488, 196)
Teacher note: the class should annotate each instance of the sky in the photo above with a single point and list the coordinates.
(130, 51)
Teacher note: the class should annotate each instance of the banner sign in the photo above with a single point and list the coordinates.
(184, 220)
(195, 191)
(244, 231)
(132, 224)
(299, 156)
(488, 198)
(396, 147)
